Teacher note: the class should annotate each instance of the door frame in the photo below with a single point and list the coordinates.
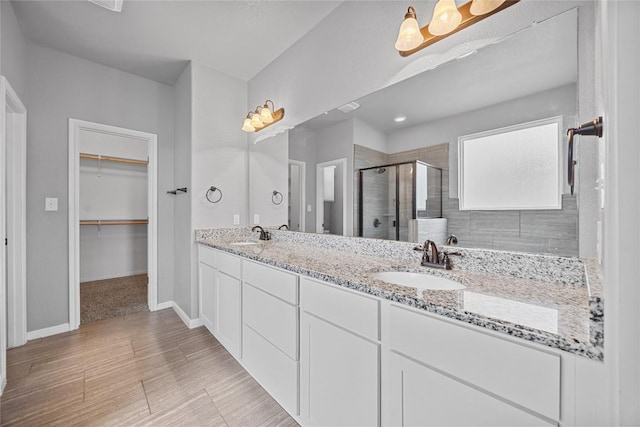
(319, 191)
(75, 126)
(13, 293)
(303, 190)
(15, 148)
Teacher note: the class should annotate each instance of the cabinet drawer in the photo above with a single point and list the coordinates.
(274, 319)
(276, 282)
(518, 373)
(229, 264)
(358, 313)
(272, 368)
(207, 255)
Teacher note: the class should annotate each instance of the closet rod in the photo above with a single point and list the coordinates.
(114, 222)
(113, 159)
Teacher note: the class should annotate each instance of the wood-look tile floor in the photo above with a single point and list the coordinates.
(140, 369)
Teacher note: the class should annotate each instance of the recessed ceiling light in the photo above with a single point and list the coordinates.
(400, 119)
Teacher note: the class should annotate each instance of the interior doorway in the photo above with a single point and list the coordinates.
(297, 195)
(13, 142)
(112, 212)
(331, 193)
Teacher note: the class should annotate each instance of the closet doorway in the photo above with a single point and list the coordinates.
(112, 221)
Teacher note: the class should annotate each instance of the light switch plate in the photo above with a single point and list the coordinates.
(51, 204)
(236, 219)
(308, 208)
(256, 219)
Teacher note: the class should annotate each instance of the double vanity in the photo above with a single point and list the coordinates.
(351, 331)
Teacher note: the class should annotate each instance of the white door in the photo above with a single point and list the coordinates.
(228, 312)
(421, 396)
(339, 383)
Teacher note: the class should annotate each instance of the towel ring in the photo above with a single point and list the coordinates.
(277, 196)
(213, 190)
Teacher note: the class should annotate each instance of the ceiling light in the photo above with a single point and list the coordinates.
(482, 7)
(400, 119)
(265, 113)
(112, 5)
(246, 125)
(262, 117)
(409, 36)
(447, 19)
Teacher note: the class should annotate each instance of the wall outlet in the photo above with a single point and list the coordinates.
(256, 219)
(308, 208)
(51, 204)
(236, 219)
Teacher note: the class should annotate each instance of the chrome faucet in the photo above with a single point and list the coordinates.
(264, 235)
(283, 226)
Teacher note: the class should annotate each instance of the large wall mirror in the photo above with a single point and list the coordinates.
(527, 77)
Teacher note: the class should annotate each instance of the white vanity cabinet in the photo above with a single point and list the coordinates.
(441, 373)
(339, 356)
(270, 331)
(219, 276)
(331, 356)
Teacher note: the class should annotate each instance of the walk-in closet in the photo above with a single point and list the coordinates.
(113, 208)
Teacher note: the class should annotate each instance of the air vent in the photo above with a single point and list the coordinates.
(347, 108)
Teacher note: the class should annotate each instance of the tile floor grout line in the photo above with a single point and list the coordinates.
(216, 406)
(145, 396)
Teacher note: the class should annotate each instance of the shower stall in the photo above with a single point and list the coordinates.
(391, 197)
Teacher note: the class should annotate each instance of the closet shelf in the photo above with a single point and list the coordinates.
(113, 159)
(114, 222)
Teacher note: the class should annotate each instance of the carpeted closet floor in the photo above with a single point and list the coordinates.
(104, 299)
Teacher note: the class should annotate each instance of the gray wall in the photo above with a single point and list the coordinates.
(182, 202)
(302, 147)
(59, 87)
(13, 50)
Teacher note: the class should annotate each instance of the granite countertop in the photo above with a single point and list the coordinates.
(563, 314)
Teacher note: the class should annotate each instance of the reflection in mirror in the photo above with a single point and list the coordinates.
(529, 76)
(403, 202)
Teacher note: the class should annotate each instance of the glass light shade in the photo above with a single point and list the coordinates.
(482, 7)
(265, 116)
(255, 121)
(246, 125)
(446, 18)
(409, 36)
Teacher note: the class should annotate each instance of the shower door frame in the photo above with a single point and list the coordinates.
(413, 195)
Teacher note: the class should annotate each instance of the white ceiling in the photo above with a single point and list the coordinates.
(155, 39)
(539, 58)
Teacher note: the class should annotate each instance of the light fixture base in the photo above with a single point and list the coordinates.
(277, 116)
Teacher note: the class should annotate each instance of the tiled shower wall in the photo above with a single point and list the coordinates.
(539, 231)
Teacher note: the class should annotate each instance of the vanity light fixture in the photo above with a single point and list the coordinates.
(447, 19)
(262, 117)
(400, 119)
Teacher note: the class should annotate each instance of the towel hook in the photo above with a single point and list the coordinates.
(213, 189)
(277, 197)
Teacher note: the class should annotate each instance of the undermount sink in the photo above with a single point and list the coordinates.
(245, 243)
(418, 280)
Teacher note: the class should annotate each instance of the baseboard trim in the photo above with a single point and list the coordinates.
(113, 276)
(46, 332)
(3, 383)
(191, 323)
(164, 305)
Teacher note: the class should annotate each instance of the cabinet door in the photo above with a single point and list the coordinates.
(228, 312)
(339, 376)
(207, 277)
(421, 396)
